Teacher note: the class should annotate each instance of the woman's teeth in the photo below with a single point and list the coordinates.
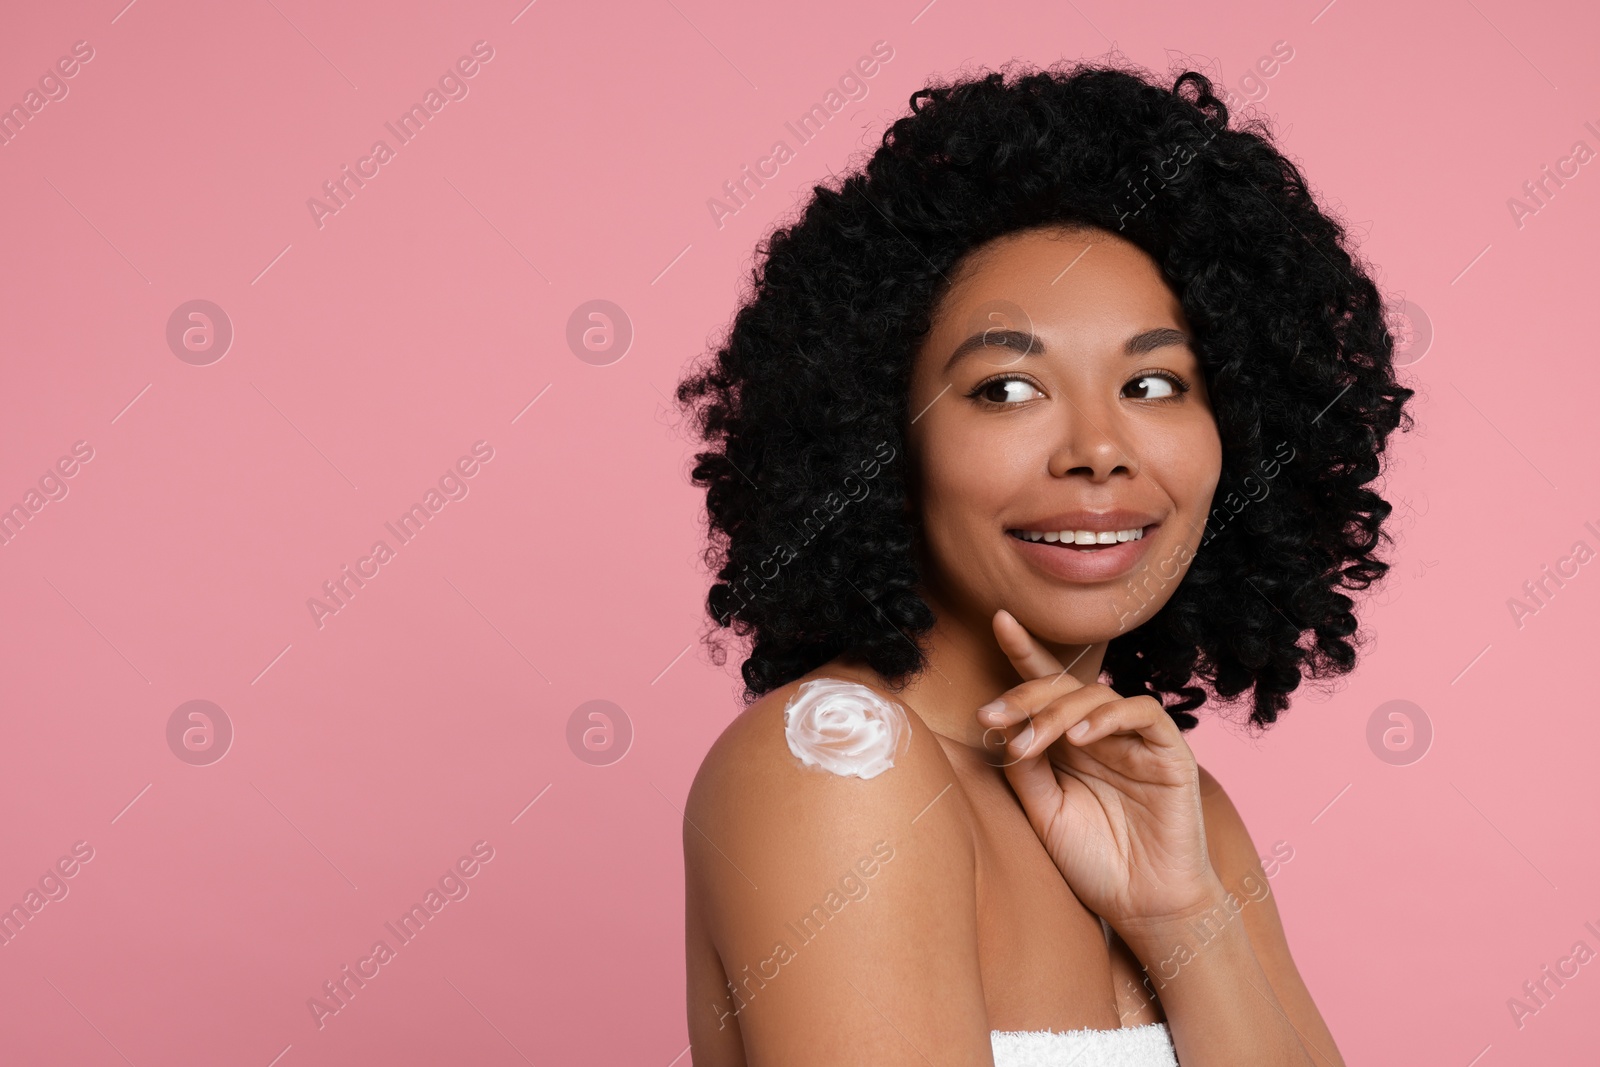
(1080, 537)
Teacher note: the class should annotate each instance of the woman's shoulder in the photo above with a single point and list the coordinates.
(825, 823)
(832, 727)
(1228, 840)
(829, 757)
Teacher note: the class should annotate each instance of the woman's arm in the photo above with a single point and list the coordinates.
(1113, 791)
(843, 910)
(1228, 970)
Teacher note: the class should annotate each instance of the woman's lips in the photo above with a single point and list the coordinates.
(1084, 563)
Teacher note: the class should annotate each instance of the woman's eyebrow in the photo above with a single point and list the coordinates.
(1150, 340)
(1027, 344)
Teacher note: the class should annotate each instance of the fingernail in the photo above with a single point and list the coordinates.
(1078, 729)
(992, 709)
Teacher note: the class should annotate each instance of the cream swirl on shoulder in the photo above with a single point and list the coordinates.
(845, 728)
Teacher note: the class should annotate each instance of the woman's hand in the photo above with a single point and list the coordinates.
(1109, 785)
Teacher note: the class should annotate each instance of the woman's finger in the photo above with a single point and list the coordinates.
(1030, 698)
(1015, 712)
(1022, 731)
(1033, 780)
(1027, 655)
(1141, 715)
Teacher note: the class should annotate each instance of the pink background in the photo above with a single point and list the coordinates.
(371, 352)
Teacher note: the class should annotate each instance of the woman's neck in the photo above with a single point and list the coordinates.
(966, 668)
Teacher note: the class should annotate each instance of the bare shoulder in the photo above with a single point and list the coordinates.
(1233, 854)
(1239, 867)
(768, 789)
(831, 865)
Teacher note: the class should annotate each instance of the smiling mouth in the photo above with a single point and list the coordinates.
(1082, 540)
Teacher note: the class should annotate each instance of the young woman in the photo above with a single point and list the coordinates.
(1069, 400)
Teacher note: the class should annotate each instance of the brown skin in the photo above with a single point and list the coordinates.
(1004, 860)
(1095, 429)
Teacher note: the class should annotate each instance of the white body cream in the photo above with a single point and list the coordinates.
(845, 728)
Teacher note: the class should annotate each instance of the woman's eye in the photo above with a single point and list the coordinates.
(1006, 390)
(1154, 387)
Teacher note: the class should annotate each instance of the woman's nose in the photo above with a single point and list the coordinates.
(1093, 443)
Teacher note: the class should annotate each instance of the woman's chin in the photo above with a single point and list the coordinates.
(1063, 627)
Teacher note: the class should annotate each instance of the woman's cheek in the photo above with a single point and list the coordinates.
(1199, 463)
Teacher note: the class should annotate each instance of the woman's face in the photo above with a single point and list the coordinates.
(1057, 391)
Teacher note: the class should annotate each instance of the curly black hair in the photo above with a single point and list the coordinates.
(809, 391)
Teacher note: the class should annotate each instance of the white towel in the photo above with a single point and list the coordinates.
(1131, 1046)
